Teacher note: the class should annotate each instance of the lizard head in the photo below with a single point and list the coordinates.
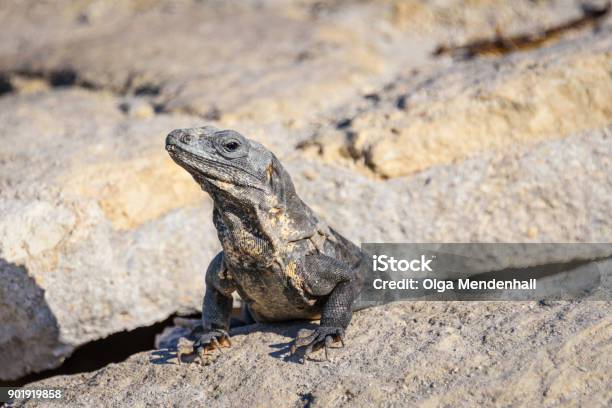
(227, 163)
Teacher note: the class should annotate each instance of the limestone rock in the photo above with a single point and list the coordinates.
(117, 239)
(233, 61)
(100, 232)
(455, 113)
(107, 232)
(271, 60)
(419, 353)
(90, 226)
(559, 188)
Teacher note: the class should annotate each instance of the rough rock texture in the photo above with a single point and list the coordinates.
(459, 112)
(217, 60)
(425, 354)
(140, 275)
(556, 191)
(264, 60)
(89, 215)
(100, 232)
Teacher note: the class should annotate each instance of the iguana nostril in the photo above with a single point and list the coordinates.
(170, 141)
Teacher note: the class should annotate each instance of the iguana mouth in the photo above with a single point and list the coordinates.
(198, 164)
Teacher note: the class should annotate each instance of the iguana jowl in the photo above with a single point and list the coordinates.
(283, 260)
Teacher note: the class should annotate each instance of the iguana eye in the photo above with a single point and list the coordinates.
(186, 138)
(232, 146)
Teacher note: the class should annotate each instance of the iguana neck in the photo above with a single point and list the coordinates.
(278, 222)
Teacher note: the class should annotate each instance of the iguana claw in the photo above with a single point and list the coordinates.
(211, 340)
(313, 340)
(203, 347)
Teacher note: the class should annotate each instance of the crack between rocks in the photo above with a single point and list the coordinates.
(501, 44)
(119, 346)
(97, 354)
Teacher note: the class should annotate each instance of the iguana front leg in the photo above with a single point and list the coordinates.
(326, 276)
(216, 309)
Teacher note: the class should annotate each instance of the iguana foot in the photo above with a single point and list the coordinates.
(313, 340)
(211, 340)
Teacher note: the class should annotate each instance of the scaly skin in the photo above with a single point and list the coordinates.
(283, 260)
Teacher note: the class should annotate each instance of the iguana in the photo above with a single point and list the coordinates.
(282, 259)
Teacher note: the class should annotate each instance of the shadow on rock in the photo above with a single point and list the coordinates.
(29, 340)
(163, 356)
(168, 340)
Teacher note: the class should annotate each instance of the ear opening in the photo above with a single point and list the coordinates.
(280, 181)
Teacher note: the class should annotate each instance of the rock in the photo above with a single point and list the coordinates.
(264, 60)
(559, 186)
(240, 61)
(101, 232)
(477, 20)
(96, 280)
(452, 114)
(98, 219)
(419, 353)
(29, 327)
(118, 238)
(92, 240)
